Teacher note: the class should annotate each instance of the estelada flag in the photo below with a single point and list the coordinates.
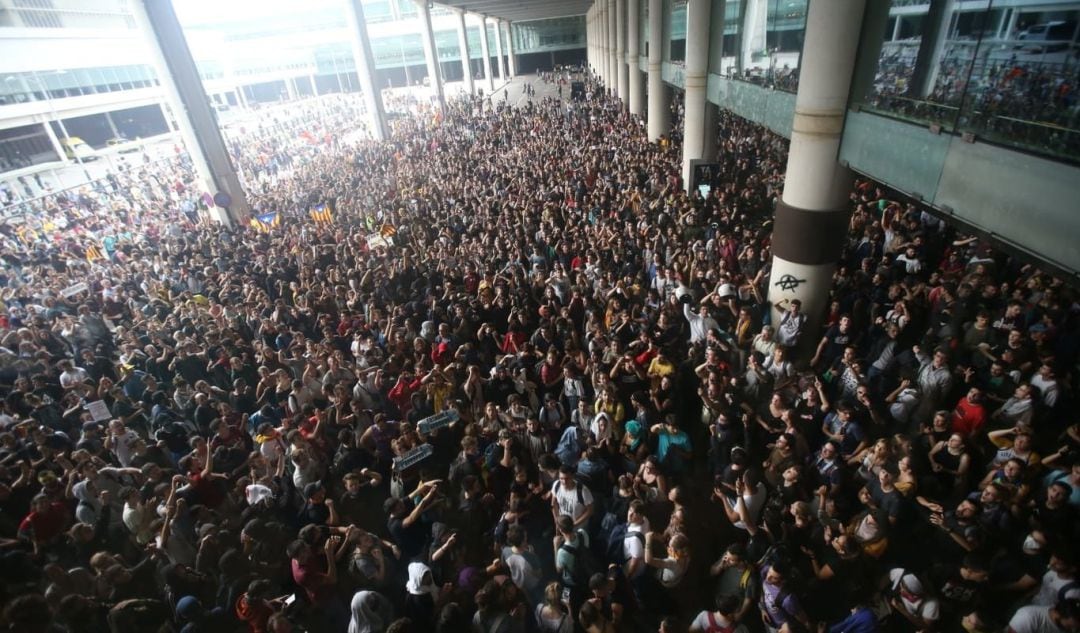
(93, 253)
(321, 214)
(265, 222)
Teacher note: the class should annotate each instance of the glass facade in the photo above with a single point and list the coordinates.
(40, 86)
(57, 14)
(539, 36)
(1003, 72)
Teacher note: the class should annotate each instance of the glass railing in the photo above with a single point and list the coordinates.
(1006, 82)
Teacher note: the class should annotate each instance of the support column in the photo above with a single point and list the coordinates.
(463, 49)
(633, 37)
(755, 22)
(623, 76)
(55, 141)
(290, 88)
(511, 63)
(698, 16)
(112, 125)
(594, 39)
(613, 48)
(591, 37)
(609, 47)
(598, 28)
(365, 69)
(241, 98)
(659, 113)
(485, 50)
(184, 90)
(431, 53)
(314, 85)
(499, 51)
(935, 34)
(812, 216)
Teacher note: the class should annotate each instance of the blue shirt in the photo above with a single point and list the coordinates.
(861, 621)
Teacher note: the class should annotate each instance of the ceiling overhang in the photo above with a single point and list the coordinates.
(521, 10)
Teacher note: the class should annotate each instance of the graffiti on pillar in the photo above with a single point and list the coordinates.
(789, 282)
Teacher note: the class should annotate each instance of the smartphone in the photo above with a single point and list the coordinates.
(291, 599)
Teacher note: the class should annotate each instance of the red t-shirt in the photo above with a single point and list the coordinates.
(968, 418)
(313, 580)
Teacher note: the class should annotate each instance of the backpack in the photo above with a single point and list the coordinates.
(615, 551)
(584, 563)
(714, 626)
(580, 493)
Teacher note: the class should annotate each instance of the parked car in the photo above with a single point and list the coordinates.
(122, 145)
(77, 149)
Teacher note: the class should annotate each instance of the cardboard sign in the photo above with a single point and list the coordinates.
(99, 410)
(377, 240)
(74, 289)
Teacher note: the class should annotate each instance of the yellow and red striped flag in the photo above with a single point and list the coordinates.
(321, 214)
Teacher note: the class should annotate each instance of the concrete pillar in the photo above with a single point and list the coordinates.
(812, 216)
(601, 29)
(755, 22)
(431, 53)
(499, 51)
(463, 48)
(594, 40)
(365, 69)
(511, 63)
(588, 38)
(623, 77)
(55, 142)
(485, 50)
(290, 88)
(875, 22)
(613, 48)
(314, 85)
(896, 28)
(112, 125)
(241, 98)
(609, 45)
(698, 16)
(935, 34)
(659, 112)
(184, 91)
(636, 85)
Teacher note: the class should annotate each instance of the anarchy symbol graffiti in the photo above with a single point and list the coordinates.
(789, 282)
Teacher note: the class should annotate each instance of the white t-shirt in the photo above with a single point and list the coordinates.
(754, 502)
(568, 501)
(123, 447)
(925, 607)
(1051, 586)
(701, 623)
(1033, 619)
(634, 546)
(72, 377)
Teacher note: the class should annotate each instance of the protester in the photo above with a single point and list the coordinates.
(508, 377)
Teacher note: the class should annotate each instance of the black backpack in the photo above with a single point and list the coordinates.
(584, 562)
(614, 551)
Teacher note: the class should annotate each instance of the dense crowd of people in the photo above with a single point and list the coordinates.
(549, 396)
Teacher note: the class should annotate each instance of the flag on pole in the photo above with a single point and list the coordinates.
(388, 230)
(266, 221)
(321, 214)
